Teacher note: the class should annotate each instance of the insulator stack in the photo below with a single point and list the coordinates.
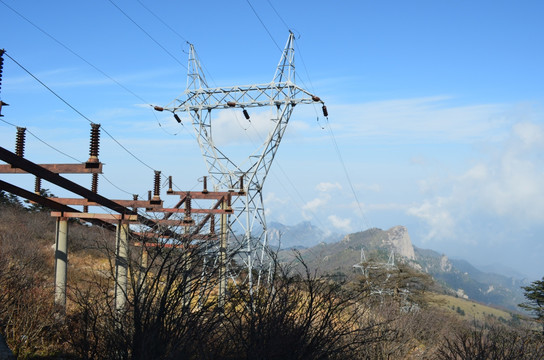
(95, 143)
(94, 183)
(316, 98)
(246, 114)
(212, 225)
(205, 184)
(157, 183)
(135, 198)
(325, 112)
(156, 188)
(149, 195)
(94, 189)
(20, 141)
(241, 184)
(229, 202)
(2, 51)
(177, 118)
(187, 218)
(170, 190)
(38, 186)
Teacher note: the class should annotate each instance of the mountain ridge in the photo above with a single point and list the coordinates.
(457, 276)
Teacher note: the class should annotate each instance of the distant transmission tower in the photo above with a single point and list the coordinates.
(247, 225)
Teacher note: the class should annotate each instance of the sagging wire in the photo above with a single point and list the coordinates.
(87, 62)
(262, 23)
(163, 22)
(366, 224)
(148, 35)
(44, 142)
(77, 111)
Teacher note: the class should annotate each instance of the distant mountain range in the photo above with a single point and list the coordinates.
(336, 254)
(302, 235)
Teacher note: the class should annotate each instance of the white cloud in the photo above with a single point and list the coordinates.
(230, 127)
(428, 119)
(437, 215)
(310, 208)
(370, 187)
(506, 186)
(315, 204)
(327, 186)
(339, 223)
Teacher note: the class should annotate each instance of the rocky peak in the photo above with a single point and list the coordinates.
(399, 239)
(445, 264)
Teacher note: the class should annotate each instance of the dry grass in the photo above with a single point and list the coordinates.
(472, 310)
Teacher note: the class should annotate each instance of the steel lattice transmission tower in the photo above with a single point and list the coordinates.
(248, 230)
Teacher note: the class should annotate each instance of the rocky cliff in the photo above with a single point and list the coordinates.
(398, 239)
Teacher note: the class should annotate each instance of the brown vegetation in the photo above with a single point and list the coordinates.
(172, 311)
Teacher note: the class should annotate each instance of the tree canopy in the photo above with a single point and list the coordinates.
(534, 294)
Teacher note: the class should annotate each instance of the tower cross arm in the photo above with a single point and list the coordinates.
(242, 96)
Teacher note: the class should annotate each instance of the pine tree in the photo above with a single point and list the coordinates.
(534, 294)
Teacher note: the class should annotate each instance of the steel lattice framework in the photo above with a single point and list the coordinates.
(198, 101)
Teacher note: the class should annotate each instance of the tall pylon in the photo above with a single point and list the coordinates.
(247, 225)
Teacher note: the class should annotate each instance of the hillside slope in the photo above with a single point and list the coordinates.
(457, 277)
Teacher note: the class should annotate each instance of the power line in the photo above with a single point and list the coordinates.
(148, 35)
(162, 21)
(285, 176)
(77, 111)
(48, 88)
(279, 16)
(262, 23)
(84, 60)
(315, 109)
(44, 142)
(74, 53)
(115, 186)
(365, 222)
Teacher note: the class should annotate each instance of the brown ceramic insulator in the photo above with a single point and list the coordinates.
(325, 112)
(205, 184)
(95, 140)
(38, 186)
(188, 206)
(94, 183)
(20, 141)
(157, 184)
(212, 225)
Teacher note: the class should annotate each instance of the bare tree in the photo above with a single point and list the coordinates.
(26, 307)
(170, 307)
(497, 342)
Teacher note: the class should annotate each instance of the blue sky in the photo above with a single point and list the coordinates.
(436, 107)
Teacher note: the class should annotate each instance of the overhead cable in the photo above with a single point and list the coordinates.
(77, 111)
(148, 35)
(365, 222)
(262, 23)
